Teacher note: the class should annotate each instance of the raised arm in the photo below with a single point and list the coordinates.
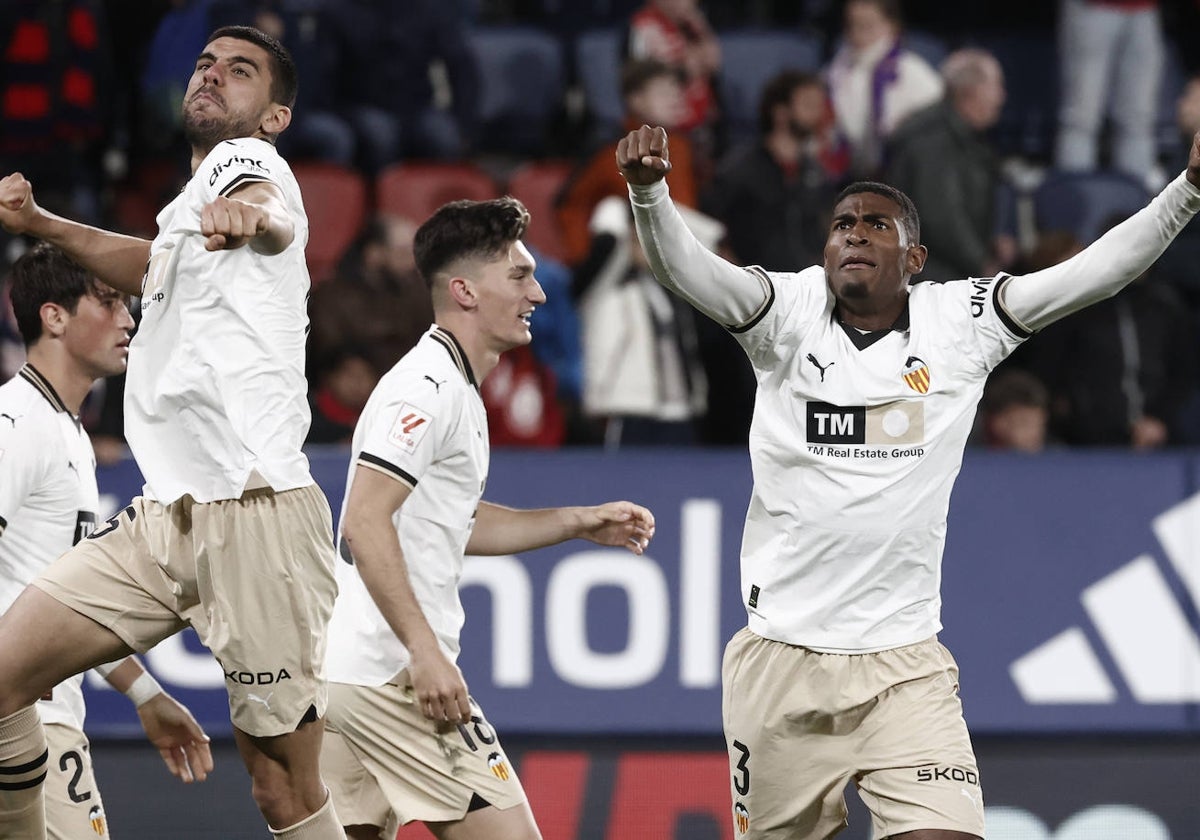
(369, 530)
(1112, 261)
(117, 259)
(254, 214)
(503, 530)
(726, 293)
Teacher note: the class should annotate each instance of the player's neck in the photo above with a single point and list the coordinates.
(482, 359)
(65, 377)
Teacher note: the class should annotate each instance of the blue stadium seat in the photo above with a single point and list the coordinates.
(749, 58)
(1086, 203)
(522, 80)
(598, 60)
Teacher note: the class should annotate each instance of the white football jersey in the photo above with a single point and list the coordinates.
(855, 445)
(48, 501)
(216, 398)
(425, 426)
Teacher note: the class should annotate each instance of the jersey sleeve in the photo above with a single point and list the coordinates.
(984, 331)
(234, 163)
(793, 302)
(22, 466)
(404, 434)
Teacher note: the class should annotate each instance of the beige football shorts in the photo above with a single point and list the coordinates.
(73, 805)
(253, 576)
(387, 764)
(800, 725)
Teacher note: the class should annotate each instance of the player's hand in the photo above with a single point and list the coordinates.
(642, 155)
(227, 223)
(439, 687)
(1193, 170)
(17, 207)
(180, 740)
(621, 524)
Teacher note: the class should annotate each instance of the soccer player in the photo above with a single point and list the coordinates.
(867, 389)
(231, 535)
(76, 331)
(405, 741)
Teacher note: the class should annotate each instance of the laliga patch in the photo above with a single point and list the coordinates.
(411, 425)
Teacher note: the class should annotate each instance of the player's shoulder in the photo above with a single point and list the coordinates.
(232, 162)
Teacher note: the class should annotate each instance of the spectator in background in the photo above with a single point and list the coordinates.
(1120, 371)
(376, 304)
(642, 378)
(874, 82)
(344, 381)
(1112, 55)
(55, 71)
(1014, 411)
(941, 158)
(773, 195)
(677, 33)
(1180, 264)
(388, 54)
(653, 94)
(317, 132)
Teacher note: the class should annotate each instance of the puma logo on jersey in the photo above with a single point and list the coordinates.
(71, 466)
(12, 419)
(819, 366)
(437, 385)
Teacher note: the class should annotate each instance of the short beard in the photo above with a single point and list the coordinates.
(206, 132)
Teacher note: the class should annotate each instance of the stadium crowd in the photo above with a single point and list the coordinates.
(975, 110)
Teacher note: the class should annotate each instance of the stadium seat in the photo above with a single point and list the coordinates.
(749, 58)
(523, 79)
(415, 190)
(537, 184)
(1086, 203)
(336, 202)
(598, 59)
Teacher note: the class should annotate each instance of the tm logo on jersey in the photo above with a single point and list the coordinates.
(411, 425)
(899, 422)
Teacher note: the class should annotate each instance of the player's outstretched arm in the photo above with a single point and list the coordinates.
(117, 259)
(169, 725)
(504, 530)
(1113, 261)
(254, 214)
(368, 529)
(726, 293)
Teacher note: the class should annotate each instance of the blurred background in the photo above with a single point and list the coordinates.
(1023, 131)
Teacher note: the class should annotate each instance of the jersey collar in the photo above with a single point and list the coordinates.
(445, 338)
(34, 377)
(863, 340)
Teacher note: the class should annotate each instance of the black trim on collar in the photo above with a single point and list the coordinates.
(446, 338)
(863, 340)
(34, 377)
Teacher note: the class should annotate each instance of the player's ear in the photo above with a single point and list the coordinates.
(914, 259)
(54, 318)
(462, 292)
(275, 120)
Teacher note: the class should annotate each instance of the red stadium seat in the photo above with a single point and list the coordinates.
(537, 184)
(415, 190)
(336, 202)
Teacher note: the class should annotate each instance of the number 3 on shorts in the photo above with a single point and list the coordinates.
(112, 522)
(741, 779)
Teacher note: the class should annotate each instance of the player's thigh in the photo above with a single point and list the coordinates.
(42, 643)
(490, 823)
(923, 772)
(787, 770)
(284, 764)
(73, 805)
